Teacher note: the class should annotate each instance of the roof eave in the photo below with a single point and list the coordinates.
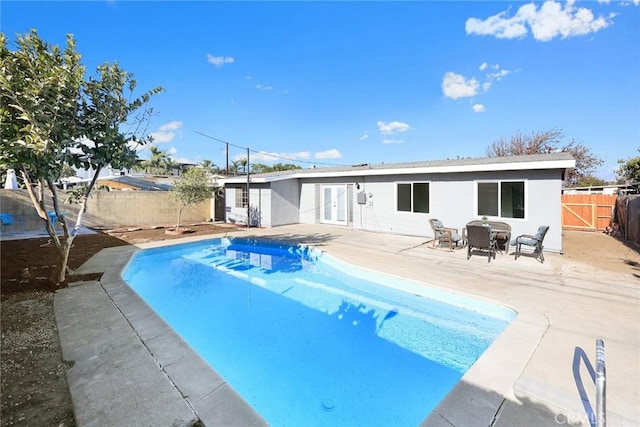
(488, 167)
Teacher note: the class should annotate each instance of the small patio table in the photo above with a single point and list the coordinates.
(501, 231)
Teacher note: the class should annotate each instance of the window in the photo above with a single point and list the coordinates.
(504, 199)
(413, 197)
(241, 197)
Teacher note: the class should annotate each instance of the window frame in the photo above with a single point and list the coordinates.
(241, 197)
(411, 192)
(525, 183)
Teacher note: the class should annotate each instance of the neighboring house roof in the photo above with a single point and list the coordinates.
(607, 189)
(125, 181)
(529, 162)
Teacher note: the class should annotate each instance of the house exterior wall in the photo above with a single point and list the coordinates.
(453, 199)
(274, 203)
(285, 199)
(233, 214)
(260, 202)
(309, 205)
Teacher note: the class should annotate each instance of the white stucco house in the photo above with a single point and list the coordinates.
(523, 191)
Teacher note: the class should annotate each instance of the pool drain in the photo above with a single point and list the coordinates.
(328, 405)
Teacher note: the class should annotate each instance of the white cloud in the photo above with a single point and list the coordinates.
(329, 154)
(298, 155)
(392, 127)
(364, 136)
(456, 86)
(552, 19)
(497, 26)
(392, 141)
(172, 151)
(166, 132)
(498, 75)
(263, 87)
(485, 66)
(175, 125)
(219, 61)
(478, 108)
(160, 137)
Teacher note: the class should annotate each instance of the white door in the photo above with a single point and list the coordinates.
(334, 204)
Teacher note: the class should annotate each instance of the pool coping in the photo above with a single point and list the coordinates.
(215, 402)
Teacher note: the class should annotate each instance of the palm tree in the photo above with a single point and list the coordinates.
(156, 164)
(243, 162)
(169, 165)
(209, 167)
(235, 165)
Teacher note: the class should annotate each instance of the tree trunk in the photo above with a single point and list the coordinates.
(179, 217)
(60, 272)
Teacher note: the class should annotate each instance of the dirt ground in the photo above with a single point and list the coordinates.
(34, 389)
(602, 251)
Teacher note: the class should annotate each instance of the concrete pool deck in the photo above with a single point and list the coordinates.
(131, 368)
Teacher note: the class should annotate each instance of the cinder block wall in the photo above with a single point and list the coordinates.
(110, 209)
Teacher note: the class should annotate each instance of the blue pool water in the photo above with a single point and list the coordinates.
(308, 340)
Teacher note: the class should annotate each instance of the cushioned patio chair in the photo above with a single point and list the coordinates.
(481, 239)
(444, 234)
(532, 242)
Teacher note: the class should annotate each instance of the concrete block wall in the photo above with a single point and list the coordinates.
(108, 209)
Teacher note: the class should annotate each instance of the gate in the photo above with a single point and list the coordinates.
(587, 212)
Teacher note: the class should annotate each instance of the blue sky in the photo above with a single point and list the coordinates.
(339, 83)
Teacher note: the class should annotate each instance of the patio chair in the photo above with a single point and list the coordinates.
(480, 238)
(444, 234)
(7, 221)
(533, 242)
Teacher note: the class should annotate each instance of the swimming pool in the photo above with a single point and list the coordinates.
(309, 340)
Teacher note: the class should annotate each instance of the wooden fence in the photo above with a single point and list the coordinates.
(587, 212)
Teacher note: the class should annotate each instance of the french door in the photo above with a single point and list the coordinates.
(334, 204)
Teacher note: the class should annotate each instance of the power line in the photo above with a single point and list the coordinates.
(269, 154)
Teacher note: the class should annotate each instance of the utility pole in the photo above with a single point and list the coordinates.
(227, 170)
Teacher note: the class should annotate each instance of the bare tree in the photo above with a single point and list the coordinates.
(549, 141)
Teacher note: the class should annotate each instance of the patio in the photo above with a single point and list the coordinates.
(534, 373)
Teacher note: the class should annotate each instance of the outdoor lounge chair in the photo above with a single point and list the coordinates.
(444, 234)
(534, 242)
(480, 238)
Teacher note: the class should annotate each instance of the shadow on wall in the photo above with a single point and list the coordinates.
(109, 209)
(18, 203)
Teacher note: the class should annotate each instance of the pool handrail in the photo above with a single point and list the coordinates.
(601, 387)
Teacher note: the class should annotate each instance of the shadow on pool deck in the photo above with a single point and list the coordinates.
(135, 369)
